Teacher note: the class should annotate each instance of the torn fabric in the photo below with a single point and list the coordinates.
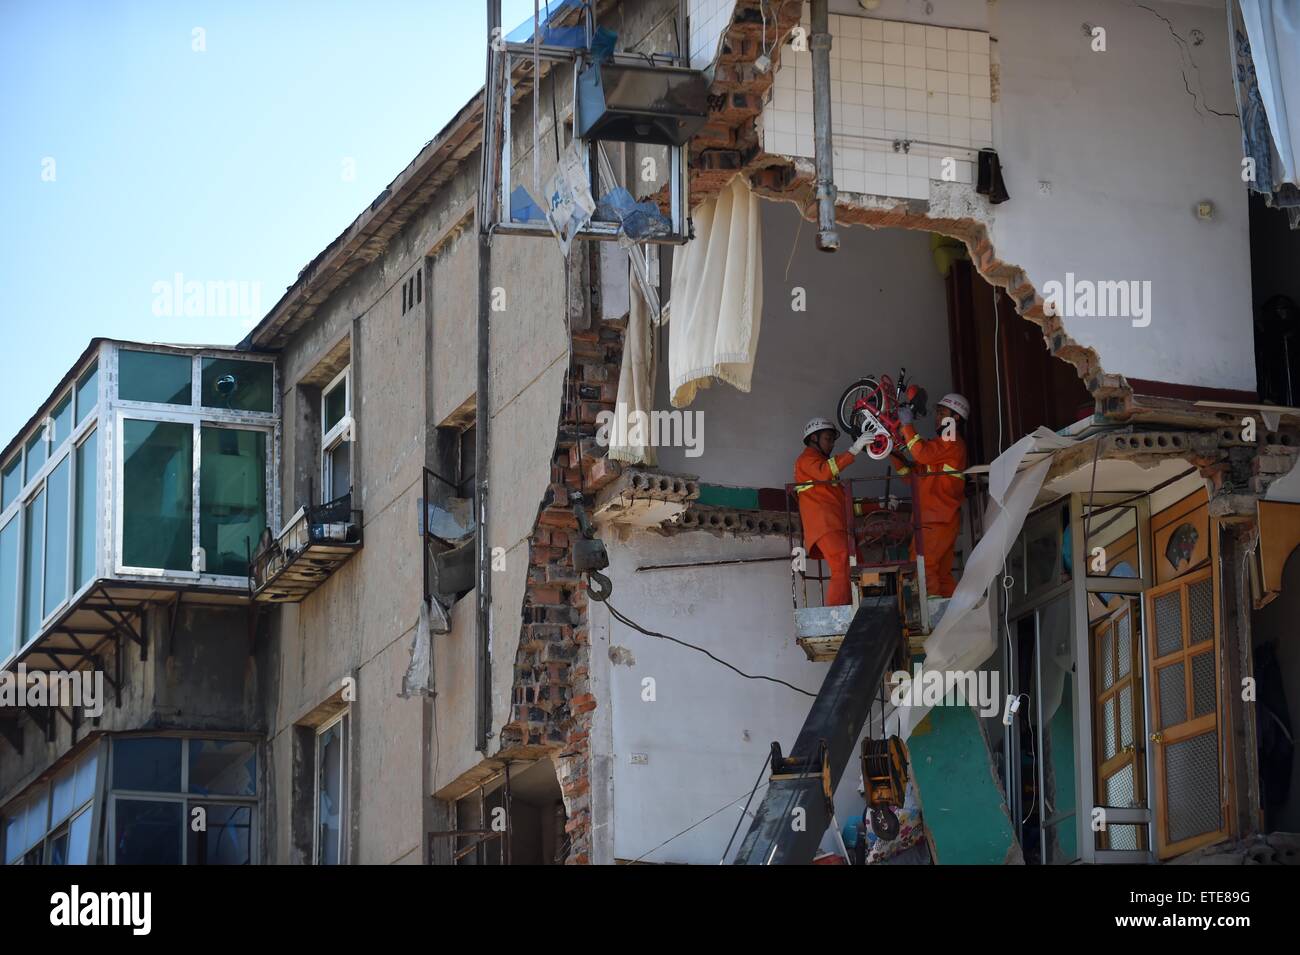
(416, 680)
(717, 297)
(629, 442)
(965, 637)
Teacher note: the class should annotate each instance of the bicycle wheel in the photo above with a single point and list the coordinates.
(864, 390)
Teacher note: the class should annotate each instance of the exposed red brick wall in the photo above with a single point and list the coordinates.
(552, 700)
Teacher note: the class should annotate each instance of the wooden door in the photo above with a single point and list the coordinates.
(1117, 714)
(1182, 645)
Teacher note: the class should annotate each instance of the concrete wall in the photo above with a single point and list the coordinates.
(1128, 153)
(707, 733)
(412, 373)
(199, 678)
(875, 305)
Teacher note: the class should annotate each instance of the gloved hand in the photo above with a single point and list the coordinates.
(856, 447)
(905, 415)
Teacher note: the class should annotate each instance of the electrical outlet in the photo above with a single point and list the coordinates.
(640, 759)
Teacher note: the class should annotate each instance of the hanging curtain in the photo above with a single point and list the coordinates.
(1265, 39)
(630, 441)
(717, 296)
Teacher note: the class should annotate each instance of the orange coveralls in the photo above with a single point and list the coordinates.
(939, 500)
(822, 512)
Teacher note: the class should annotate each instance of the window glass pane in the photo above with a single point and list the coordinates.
(9, 587)
(338, 470)
(329, 785)
(153, 376)
(35, 453)
(56, 534)
(147, 765)
(336, 406)
(85, 785)
(59, 850)
(232, 498)
(37, 816)
(33, 562)
(147, 833)
(226, 767)
(237, 385)
(63, 799)
(11, 481)
(14, 835)
(157, 483)
(87, 392)
(79, 841)
(227, 840)
(87, 507)
(62, 421)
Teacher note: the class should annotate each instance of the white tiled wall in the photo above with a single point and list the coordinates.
(709, 20)
(889, 80)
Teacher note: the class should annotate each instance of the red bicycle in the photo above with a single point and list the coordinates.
(870, 406)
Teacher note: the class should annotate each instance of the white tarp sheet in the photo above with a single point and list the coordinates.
(965, 637)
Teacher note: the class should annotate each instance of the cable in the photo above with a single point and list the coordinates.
(766, 762)
(690, 827)
(628, 622)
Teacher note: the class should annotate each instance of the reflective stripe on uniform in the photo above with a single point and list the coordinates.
(800, 488)
(912, 440)
(949, 469)
(835, 468)
(904, 471)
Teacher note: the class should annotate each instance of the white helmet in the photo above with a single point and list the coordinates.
(818, 424)
(957, 404)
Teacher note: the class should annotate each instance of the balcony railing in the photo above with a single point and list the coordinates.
(311, 547)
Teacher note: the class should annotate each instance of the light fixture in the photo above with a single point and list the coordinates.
(869, 4)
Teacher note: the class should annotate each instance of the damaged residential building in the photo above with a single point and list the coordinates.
(487, 546)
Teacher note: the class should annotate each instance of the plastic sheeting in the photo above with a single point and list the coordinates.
(717, 296)
(416, 680)
(965, 637)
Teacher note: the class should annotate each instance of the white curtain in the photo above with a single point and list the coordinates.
(1273, 27)
(717, 296)
(630, 443)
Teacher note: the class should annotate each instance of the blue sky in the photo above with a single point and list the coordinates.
(226, 164)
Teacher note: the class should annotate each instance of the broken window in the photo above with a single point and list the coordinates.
(181, 801)
(235, 385)
(331, 791)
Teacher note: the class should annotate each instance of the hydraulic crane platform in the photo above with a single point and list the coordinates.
(796, 810)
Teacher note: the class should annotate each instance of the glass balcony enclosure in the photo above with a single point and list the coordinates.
(148, 466)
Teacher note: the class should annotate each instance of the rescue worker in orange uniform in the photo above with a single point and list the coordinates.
(823, 507)
(941, 488)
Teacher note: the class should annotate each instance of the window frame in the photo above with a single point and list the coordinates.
(197, 423)
(27, 493)
(52, 831)
(344, 430)
(344, 716)
(187, 799)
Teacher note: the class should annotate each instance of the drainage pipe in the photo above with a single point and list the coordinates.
(828, 239)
